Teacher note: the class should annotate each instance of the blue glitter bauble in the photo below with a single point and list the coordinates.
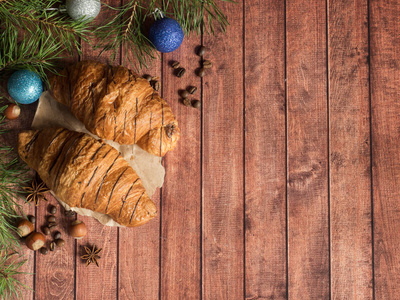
(25, 86)
(166, 35)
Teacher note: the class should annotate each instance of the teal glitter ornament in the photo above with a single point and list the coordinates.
(83, 9)
(25, 86)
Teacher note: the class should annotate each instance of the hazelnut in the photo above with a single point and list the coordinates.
(78, 229)
(35, 241)
(24, 227)
(12, 112)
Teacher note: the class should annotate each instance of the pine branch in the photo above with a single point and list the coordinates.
(10, 287)
(40, 14)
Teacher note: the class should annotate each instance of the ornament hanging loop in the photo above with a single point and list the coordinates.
(158, 14)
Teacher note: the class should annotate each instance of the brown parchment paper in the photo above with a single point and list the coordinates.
(50, 113)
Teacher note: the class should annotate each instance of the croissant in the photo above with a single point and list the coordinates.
(84, 172)
(116, 104)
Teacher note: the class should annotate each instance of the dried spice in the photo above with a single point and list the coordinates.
(91, 255)
(36, 192)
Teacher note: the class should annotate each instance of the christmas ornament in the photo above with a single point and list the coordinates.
(166, 35)
(25, 86)
(86, 9)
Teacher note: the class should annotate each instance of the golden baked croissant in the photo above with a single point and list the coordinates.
(116, 104)
(84, 172)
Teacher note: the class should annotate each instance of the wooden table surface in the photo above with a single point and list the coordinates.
(284, 185)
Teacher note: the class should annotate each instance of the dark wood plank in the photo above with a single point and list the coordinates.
(139, 248)
(92, 282)
(307, 190)
(350, 176)
(223, 243)
(181, 193)
(385, 91)
(265, 160)
(55, 271)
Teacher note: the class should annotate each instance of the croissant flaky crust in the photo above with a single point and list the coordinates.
(116, 104)
(84, 172)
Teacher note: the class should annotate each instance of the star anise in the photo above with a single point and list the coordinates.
(91, 255)
(36, 192)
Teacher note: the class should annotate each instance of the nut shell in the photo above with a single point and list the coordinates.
(24, 227)
(78, 229)
(35, 241)
(12, 112)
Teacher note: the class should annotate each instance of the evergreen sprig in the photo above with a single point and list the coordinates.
(12, 178)
(43, 15)
(125, 26)
(10, 287)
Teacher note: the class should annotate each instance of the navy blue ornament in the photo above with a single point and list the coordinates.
(25, 86)
(166, 35)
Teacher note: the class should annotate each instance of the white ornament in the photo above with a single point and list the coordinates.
(77, 9)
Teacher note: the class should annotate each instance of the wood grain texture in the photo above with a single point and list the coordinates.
(29, 256)
(385, 94)
(265, 151)
(350, 169)
(55, 271)
(139, 248)
(181, 193)
(92, 282)
(307, 190)
(223, 248)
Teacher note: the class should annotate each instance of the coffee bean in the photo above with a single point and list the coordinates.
(52, 224)
(46, 230)
(43, 250)
(147, 77)
(51, 219)
(187, 102)
(52, 246)
(207, 64)
(32, 219)
(192, 90)
(69, 213)
(202, 50)
(184, 94)
(176, 64)
(57, 235)
(196, 104)
(156, 85)
(60, 242)
(52, 209)
(201, 72)
(180, 72)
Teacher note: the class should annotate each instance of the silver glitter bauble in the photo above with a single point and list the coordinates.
(83, 8)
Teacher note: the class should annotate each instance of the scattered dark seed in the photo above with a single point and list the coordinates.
(192, 90)
(207, 64)
(69, 213)
(156, 85)
(176, 64)
(180, 72)
(187, 102)
(52, 209)
(147, 77)
(57, 235)
(201, 72)
(51, 219)
(52, 224)
(46, 230)
(202, 50)
(184, 94)
(60, 242)
(32, 219)
(43, 250)
(196, 104)
(52, 246)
